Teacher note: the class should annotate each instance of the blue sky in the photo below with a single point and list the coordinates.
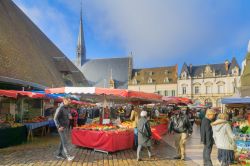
(158, 33)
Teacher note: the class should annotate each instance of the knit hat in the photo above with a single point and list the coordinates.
(143, 113)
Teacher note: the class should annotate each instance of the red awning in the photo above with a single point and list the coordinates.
(8, 93)
(15, 94)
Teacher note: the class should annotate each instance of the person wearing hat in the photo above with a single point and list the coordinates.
(181, 126)
(207, 136)
(144, 135)
(61, 119)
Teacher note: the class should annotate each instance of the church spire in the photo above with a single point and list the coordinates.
(81, 50)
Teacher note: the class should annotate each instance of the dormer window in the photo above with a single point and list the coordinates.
(150, 81)
(184, 75)
(166, 80)
(235, 71)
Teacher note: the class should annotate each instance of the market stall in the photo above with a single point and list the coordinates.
(109, 135)
(24, 107)
(241, 127)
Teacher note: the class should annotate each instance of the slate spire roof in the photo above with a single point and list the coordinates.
(233, 64)
(81, 49)
(185, 68)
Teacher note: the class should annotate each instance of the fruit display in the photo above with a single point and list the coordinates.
(97, 127)
(96, 120)
(157, 121)
(242, 141)
(9, 124)
(126, 124)
(36, 119)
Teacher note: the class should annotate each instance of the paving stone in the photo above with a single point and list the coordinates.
(42, 152)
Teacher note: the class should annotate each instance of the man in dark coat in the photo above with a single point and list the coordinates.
(182, 128)
(207, 136)
(61, 119)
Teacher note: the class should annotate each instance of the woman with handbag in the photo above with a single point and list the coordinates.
(144, 135)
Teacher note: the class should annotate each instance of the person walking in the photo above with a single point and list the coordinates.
(61, 119)
(224, 140)
(180, 125)
(144, 135)
(206, 133)
(135, 113)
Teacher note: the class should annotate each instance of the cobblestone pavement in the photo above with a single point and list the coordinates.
(42, 151)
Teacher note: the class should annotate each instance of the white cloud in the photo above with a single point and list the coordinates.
(161, 32)
(166, 31)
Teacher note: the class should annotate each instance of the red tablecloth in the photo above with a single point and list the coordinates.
(158, 131)
(109, 141)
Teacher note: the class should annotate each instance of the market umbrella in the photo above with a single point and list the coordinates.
(94, 93)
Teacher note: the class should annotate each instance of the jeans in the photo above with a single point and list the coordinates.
(136, 136)
(207, 155)
(139, 150)
(63, 143)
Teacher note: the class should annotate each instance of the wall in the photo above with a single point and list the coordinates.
(154, 88)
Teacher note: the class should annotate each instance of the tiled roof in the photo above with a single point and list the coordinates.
(98, 72)
(159, 75)
(27, 54)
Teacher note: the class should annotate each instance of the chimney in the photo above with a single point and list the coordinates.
(190, 68)
(227, 65)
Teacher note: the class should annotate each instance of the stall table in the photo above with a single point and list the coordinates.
(111, 141)
(32, 126)
(12, 136)
(51, 124)
(107, 141)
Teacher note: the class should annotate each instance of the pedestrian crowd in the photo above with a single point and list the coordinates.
(214, 129)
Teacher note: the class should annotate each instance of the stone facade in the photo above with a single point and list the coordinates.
(207, 84)
(161, 80)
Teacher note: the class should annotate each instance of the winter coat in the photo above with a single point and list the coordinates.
(180, 124)
(61, 117)
(206, 132)
(223, 135)
(144, 132)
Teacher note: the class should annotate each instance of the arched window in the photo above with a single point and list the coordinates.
(221, 87)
